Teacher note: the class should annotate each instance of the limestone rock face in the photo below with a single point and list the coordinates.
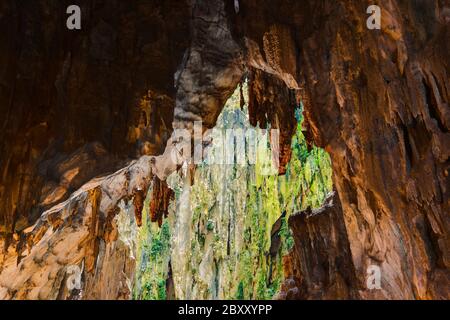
(81, 248)
(78, 105)
(272, 103)
(321, 266)
(111, 86)
(377, 101)
(111, 83)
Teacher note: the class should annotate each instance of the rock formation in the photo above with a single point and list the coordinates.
(77, 107)
(321, 266)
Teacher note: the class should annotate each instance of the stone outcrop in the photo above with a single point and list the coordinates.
(86, 240)
(111, 83)
(321, 266)
(383, 121)
(273, 104)
(377, 101)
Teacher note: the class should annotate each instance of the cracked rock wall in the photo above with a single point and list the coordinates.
(378, 102)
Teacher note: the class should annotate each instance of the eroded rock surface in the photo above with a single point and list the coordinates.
(92, 231)
(378, 103)
(321, 266)
(376, 100)
(111, 83)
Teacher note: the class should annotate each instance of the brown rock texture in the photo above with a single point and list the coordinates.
(78, 105)
(160, 199)
(321, 266)
(110, 83)
(92, 231)
(272, 104)
(378, 102)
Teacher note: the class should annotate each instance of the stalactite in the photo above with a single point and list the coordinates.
(161, 197)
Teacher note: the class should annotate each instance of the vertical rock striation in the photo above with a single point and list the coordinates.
(76, 105)
(109, 84)
(378, 102)
(321, 266)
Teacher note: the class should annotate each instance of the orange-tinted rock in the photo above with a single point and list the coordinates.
(320, 264)
(160, 200)
(377, 101)
(109, 85)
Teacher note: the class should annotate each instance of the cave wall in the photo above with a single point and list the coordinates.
(82, 248)
(320, 265)
(134, 75)
(77, 105)
(376, 100)
(108, 85)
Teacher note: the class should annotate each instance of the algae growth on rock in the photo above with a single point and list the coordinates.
(226, 234)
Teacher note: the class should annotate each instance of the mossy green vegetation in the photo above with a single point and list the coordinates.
(231, 212)
(153, 256)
